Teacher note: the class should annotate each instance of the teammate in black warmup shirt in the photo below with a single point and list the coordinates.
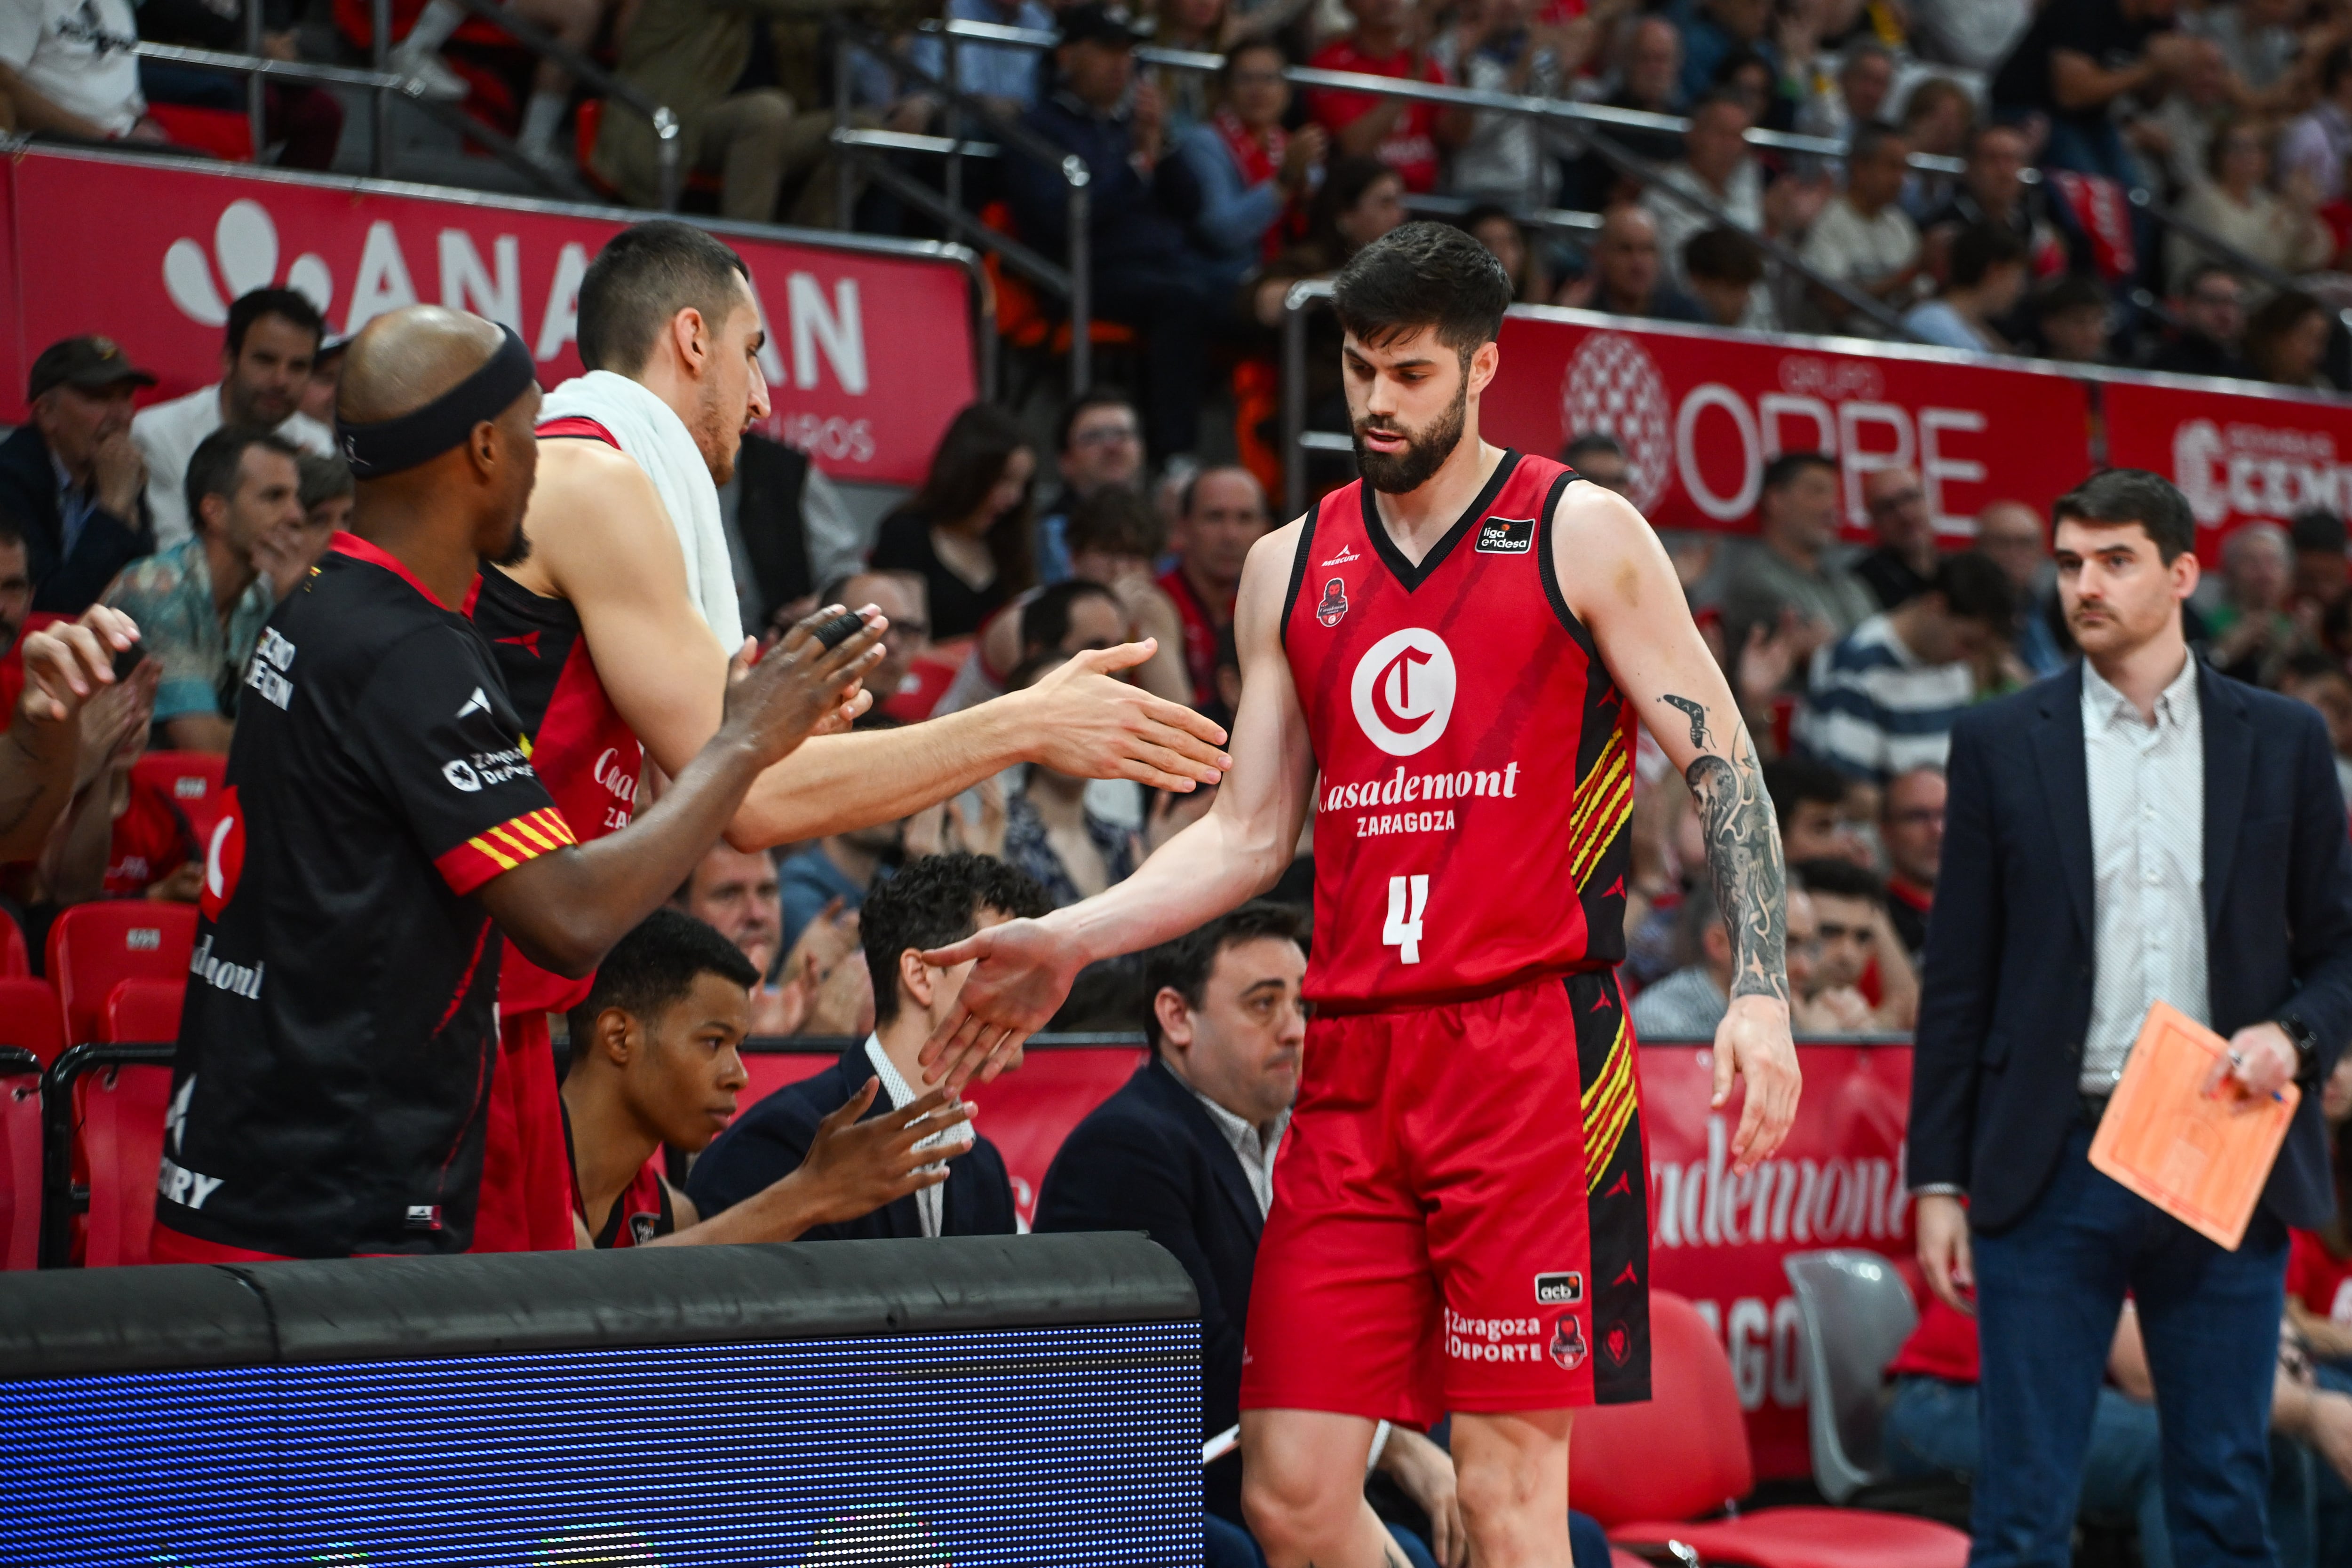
(385, 827)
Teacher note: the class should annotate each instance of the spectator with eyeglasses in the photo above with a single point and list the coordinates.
(1904, 560)
(1099, 443)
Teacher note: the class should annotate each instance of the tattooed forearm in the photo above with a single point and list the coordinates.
(1697, 712)
(1743, 851)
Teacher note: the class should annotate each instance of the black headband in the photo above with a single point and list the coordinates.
(422, 435)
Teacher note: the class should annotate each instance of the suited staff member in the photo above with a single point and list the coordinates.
(2136, 829)
(933, 902)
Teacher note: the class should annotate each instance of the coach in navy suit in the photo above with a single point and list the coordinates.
(2136, 829)
(933, 903)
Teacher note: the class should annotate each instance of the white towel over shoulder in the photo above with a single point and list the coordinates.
(650, 431)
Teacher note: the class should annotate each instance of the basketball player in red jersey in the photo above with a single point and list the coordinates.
(608, 638)
(1459, 645)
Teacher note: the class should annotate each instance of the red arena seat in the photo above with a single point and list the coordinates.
(143, 1011)
(194, 782)
(29, 1017)
(93, 947)
(16, 959)
(111, 1119)
(20, 1158)
(1646, 1471)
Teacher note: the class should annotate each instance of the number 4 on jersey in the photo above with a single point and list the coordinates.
(1408, 896)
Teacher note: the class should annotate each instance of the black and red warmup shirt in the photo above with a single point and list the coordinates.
(335, 1052)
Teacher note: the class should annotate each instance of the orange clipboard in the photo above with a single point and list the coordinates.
(2201, 1160)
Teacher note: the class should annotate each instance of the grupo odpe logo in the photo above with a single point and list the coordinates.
(1403, 691)
(1613, 387)
(243, 258)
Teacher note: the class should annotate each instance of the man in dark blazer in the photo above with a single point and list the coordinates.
(931, 904)
(70, 476)
(2132, 830)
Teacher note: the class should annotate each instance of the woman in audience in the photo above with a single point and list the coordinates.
(1050, 833)
(1248, 174)
(2287, 338)
(1200, 26)
(2234, 204)
(1492, 226)
(966, 532)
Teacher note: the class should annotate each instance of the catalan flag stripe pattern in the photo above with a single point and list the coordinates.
(1604, 804)
(499, 849)
(1609, 1101)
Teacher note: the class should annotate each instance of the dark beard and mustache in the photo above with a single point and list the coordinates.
(518, 548)
(1425, 452)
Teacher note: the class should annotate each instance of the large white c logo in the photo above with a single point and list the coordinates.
(1403, 691)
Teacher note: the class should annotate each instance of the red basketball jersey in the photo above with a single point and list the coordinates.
(1476, 758)
(583, 750)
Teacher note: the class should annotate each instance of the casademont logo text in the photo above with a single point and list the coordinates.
(1809, 1202)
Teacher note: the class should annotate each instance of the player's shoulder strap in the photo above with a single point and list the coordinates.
(1347, 494)
(577, 426)
(1547, 563)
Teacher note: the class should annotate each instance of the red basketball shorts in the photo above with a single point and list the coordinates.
(1461, 1213)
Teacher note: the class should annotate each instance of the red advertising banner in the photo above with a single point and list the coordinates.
(2238, 459)
(1700, 411)
(867, 356)
(1715, 1238)
(1718, 1237)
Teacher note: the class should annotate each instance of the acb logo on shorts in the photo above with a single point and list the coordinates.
(1564, 1289)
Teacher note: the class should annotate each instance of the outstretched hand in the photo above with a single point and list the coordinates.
(1087, 723)
(1022, 976)
(1753, 1042)
(854, 1167)
(802, 687)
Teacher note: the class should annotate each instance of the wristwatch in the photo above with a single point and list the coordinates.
(2306, 1045)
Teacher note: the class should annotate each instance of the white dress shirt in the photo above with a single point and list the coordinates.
(168, 433)
(1256, 1147)
(932, 1203)
(2147, 864)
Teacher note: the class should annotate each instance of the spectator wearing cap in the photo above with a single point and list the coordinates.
(71, 66)
(1409, 137)
(1986, 280)
(200, 603)
(273, 337)
(1884, 699)
(1145, 274)
(1864, 238)
(72, 477)
(1626, 275)
(2210, 308)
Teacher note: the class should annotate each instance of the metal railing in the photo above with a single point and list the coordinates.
(1071, 282)
(387, 88)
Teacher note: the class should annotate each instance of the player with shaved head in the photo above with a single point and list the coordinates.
(386, 834)
(615, 635)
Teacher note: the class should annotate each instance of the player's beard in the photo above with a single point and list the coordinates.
(710, 433)
(1424, 453)
(518, 548)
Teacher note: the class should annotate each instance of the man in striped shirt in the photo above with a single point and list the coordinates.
(1882, 700)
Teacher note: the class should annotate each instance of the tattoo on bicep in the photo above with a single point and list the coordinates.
(1697, 713)
(1743, 852)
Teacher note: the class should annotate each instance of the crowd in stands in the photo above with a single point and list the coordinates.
(1212, 189)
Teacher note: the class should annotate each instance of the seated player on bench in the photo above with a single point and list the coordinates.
(654, 1061)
